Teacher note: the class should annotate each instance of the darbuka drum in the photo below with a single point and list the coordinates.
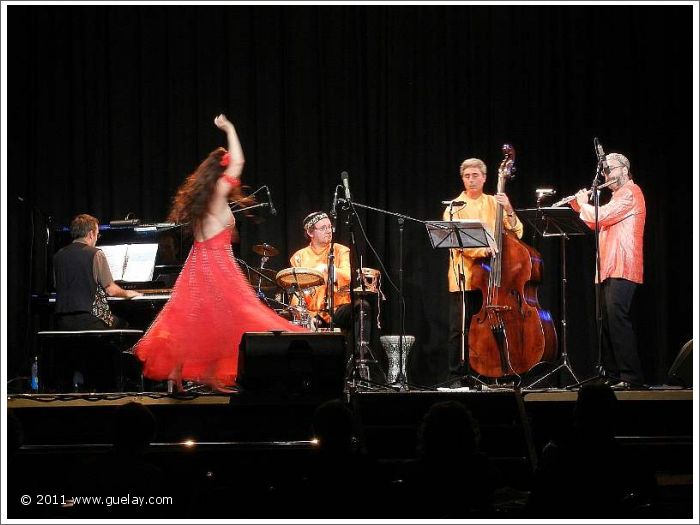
(299, 278)
(371, 279)
(397, 350)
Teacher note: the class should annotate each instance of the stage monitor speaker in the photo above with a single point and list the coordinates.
(681, 371)
(292, 363)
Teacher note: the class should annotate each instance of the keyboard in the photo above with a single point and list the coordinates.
(150, 294)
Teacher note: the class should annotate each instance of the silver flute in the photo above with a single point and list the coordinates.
(568, 199)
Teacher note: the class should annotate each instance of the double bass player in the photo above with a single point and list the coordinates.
(465, 301)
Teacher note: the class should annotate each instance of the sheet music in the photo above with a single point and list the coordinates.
(131, 262)
(140, 262)
(116, 256)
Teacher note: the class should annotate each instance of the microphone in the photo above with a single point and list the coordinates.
(344, 176)
(335, 202)
(273, 211)
(601, 155)
(453, 203)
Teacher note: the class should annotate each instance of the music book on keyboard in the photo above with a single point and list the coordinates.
(131, 262)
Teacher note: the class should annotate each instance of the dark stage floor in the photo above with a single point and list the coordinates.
(218, 440)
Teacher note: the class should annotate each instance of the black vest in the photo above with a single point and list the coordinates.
(75, 283)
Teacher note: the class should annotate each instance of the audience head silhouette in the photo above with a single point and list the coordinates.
(448, 431)
(333, 426)
(595, 409)
(134, 427)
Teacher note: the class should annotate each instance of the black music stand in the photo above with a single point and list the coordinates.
(562, 222)
(460, 234)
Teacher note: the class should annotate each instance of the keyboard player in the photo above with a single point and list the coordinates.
(84, 281)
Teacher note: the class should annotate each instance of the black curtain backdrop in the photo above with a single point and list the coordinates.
(109, 108)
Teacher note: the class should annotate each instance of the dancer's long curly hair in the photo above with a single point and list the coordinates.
(191, 201)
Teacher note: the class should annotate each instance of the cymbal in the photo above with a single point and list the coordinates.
(265, 250)
(267, 283)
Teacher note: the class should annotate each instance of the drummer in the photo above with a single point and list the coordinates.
(319, 231)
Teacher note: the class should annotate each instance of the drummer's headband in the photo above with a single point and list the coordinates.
(312, 218)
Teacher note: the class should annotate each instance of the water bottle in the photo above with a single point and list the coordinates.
(35, 375)
(77, 381)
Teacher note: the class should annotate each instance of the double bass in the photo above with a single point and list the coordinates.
(511, 333)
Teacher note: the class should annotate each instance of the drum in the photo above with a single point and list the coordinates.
(299, 278)
(285, 312)
(301, 317)
(371, 279)
(397, 350)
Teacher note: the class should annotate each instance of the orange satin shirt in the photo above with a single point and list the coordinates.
(621, 223)
(484, 209)
(315, 297)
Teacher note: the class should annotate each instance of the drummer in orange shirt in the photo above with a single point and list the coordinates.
(318, 229)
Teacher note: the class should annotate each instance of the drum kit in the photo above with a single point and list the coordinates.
(287, 290)
(279, 287)
(263, 279)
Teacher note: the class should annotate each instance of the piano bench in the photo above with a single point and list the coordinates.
(88, 361)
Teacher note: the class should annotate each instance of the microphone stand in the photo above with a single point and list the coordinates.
(401, 381)
(261, 276)
(462, 288)
(330, 285)
(598, 309)
(253, 206)
(355, 376)
(258, 205)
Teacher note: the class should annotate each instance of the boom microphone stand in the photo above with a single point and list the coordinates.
(601, 373)
(359, 372)
(356, 374)
(330, 285)
(401, 380)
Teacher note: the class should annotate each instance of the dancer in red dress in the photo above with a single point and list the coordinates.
(196, 335)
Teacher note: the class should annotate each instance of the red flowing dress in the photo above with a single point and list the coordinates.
(197, 333)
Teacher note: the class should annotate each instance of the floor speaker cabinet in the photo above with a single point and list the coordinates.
(290, 363)
(681, 371)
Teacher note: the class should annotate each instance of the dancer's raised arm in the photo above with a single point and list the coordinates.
(236, 160)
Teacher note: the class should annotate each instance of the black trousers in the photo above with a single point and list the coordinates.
(363, 311)
(619, 342)
(472, 304)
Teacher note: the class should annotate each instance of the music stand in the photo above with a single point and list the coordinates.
(461, 234)
(562, 222)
